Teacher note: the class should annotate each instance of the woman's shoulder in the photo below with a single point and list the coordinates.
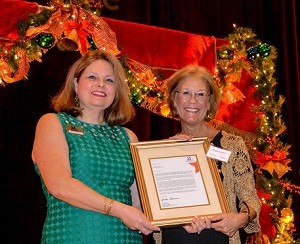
(48, 127)
(131, 134)
(48, 120)
(48, 117)
(231, 136)
(230, 140)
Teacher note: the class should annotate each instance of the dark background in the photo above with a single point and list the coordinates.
(22, 103)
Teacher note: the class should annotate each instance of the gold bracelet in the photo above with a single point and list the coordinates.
(247, 212)
(109, 206)
(104, 206)
(248, 215)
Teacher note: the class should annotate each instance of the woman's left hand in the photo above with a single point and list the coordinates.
(228, 223)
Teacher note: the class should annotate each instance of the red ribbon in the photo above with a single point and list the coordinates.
(265, 220)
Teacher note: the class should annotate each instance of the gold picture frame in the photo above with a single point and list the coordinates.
(176, 181)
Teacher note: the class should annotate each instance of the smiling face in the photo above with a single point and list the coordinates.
(192, 100)
(96, 86)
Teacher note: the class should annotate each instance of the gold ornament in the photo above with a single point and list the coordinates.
(165, 110)
(70, 42)
(287, 215)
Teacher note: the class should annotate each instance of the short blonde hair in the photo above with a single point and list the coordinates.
(119, 112)
(200, 73)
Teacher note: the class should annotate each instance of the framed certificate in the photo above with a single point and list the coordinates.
(176, 181)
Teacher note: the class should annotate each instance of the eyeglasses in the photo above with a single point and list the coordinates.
(188, 94)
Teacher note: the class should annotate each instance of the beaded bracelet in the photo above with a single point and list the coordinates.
(109, 206)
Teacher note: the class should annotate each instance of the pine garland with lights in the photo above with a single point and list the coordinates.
(54, 26)
(146, 87)
(246, 52)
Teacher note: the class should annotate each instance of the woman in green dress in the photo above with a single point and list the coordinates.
(83, 157)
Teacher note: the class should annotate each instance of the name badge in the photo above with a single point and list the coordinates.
(75, 130)
(218, 153)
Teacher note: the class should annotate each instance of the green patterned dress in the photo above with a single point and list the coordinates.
(99, 157)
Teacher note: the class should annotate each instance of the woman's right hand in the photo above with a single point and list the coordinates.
(133, 218)
(182, 137)
(198, 224)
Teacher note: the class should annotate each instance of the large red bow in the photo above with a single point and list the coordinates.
(278, 156)
(83, 29)
(276, 162)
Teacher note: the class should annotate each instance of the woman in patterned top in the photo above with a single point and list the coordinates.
(194, 98)
(83, 157)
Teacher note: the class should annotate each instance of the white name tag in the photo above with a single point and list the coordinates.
(218, 153)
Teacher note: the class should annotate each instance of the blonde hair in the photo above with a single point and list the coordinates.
(119, 112)
(200, 73)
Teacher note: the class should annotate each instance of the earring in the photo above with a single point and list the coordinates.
(208, 114)
(77, 104)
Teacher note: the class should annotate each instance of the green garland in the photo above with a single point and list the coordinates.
(246, 52)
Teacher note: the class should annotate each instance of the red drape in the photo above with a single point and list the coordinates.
(13, 11)
(164, 48)
(170, 49)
